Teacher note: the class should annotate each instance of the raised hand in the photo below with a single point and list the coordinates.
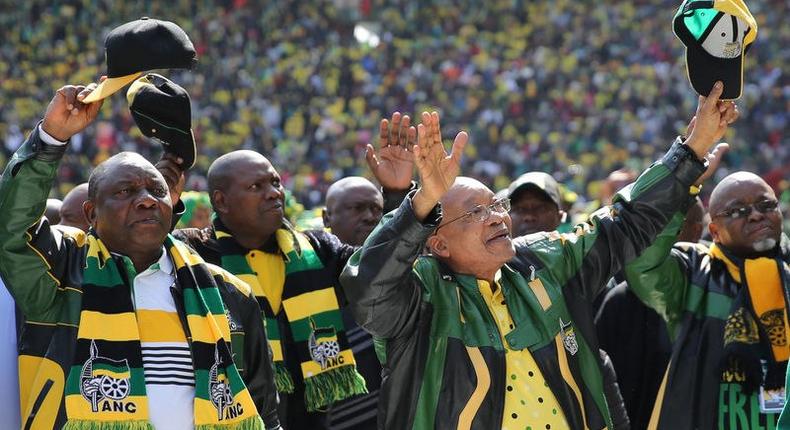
(171, 168)
(711, 121)
(393, 166)
(436, 168)
(66, 115)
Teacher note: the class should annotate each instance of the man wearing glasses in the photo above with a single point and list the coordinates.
(726, 310)
(493, 332)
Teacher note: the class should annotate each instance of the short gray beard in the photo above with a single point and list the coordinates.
(763, 245)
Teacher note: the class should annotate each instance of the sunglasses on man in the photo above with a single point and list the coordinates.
(741, 212)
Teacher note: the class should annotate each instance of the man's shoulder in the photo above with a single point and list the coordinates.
(232, 282)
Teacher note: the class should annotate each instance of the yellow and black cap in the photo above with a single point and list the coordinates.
(138, 46)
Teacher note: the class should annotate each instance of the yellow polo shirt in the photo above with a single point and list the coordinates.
(529, 402)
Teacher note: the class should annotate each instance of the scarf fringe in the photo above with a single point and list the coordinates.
(282, 379)
(249, 423)
(328, 387)
(107, 425)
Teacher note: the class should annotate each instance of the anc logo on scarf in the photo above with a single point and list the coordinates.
(103, 378)
(291, 289)
(323, 345)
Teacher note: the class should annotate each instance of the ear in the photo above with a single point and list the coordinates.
(218, 201)
(438, 246)
(89, 210)
(325, 217)
(714, 231)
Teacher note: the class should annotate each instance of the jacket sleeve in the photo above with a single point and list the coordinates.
(617, 234)
(258, 372)
(659, 276)
(28, 247)
(383, 291)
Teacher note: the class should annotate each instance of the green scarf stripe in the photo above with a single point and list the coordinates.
(102, 276)
(212, 301)
(211, 360)
(73, 381)
(300, 329)
(236, 264)
(202, 379)
(308, 261)
(707, 303)
(272, 328)
(325, 386)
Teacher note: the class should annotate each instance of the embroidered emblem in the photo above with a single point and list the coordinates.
(103, 378)
(773, 321)
(232, 324)
(323, 345)
(568, 337)
(219, 387)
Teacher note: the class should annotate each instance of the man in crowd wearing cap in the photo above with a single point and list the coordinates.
(636, 337)
(490, 332)
(535, 204)
(293, 274)
(125, 327)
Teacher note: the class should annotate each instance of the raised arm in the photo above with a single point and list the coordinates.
(28, 248)
(379, 282)
(616, 235)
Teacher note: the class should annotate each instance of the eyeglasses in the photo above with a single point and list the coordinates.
(740, 212)
(482, 213)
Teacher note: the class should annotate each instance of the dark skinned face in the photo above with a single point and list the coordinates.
(472, 247)
(756, 232)
(532, 211)
(354, 212)
(251, 205)
(132, 211)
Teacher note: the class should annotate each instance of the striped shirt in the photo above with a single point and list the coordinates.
(167, 362)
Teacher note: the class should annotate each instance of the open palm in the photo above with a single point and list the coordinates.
(437, 168)
(393, 165)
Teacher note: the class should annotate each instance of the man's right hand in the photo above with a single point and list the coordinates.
(711, 121)
(393, 166)
(171, 167)
(66, 115)
(436, 168)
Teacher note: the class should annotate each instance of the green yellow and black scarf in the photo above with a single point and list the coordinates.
(105, 388)
(757, 325)
(285, 286)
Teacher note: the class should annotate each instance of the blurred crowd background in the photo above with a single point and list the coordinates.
(573, 88)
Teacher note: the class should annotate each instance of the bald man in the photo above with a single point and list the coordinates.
(294, 275)
(354, 207)
(52, 211)
(183, 341)
(493, 332)
(71, 212)
(725, 306)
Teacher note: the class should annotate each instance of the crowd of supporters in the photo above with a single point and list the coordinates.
(566, 87)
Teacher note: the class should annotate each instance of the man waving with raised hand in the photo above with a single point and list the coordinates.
(493, 332)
